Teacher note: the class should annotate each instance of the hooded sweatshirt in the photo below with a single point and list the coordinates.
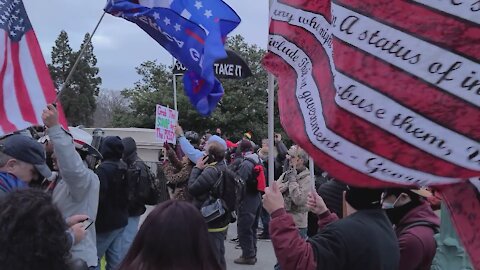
(113, 202)
(136, 207)
(417, 244)
(76, 192)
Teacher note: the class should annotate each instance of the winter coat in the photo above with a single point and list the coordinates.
(295, 188)
(76, 192)
(136, 207)
(113, 201)
(417, 244)
(362, 241)
(245, 171)
(177, 174)
(200, 186)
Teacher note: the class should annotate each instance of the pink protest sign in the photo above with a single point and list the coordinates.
(165, 121)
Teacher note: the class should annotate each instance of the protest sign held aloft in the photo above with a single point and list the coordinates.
(165, 121)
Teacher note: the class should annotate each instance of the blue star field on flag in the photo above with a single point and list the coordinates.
(193, 31)
(13, 19)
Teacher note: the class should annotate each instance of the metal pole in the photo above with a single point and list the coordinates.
(271, 104)
(174, 86)
(311, 165)
(78, 59)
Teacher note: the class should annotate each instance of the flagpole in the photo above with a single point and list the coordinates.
(271, 104)
(78, 59)
(174, 85)
(312, 171)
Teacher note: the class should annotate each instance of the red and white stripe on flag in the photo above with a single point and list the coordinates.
(25, 83)
(384, 93)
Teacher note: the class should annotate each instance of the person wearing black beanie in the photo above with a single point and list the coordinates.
(363, 240)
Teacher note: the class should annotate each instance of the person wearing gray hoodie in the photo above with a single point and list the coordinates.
(76, 190)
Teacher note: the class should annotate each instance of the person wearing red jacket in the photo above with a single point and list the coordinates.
(415, 224)
(364, 240)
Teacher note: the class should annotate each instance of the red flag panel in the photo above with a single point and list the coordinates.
(384, 93)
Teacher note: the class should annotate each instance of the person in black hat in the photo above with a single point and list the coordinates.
(362, 240)
(22, 159)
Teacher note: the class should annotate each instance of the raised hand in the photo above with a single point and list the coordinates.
(316, 204)
(273, 198)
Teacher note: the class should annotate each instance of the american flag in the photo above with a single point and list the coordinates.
(25, 83)
(385, 93)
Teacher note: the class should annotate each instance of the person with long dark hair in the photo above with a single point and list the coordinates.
(174, 236)
(32, 232)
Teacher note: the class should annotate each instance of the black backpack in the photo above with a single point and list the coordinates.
(230, 188)
(141, 187)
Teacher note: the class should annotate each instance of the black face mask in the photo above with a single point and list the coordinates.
(396, 214)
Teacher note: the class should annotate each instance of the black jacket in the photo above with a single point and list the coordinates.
(136, 207)
(243, 166)
(364, 240)
(113, 200)
(281, 158)
(200, 186)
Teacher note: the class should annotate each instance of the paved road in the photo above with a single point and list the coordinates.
(266, 257)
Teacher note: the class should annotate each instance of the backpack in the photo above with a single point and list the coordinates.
(230, 189)
(119, 186)
(141, 187)
(259, 181)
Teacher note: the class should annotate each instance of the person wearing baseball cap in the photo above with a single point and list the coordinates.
(22, 159)
(415, 225)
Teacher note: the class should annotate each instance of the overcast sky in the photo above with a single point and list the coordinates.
(119, 45)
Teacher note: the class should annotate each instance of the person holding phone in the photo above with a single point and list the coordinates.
(295, 185)
(177, 171)
(201, 184)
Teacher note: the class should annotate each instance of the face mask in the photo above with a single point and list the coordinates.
(387, 205)
(396, 214)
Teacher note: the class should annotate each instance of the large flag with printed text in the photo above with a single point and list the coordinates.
(25, 83)
(193, 31)
(385, 93)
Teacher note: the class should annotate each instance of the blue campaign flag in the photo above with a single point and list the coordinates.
(193, 31)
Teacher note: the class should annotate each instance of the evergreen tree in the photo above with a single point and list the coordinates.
(78, 98)
(61, 55)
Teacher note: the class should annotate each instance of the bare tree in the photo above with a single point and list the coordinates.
(109, 102)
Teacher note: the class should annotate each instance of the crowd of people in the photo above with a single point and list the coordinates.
(61, 210)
